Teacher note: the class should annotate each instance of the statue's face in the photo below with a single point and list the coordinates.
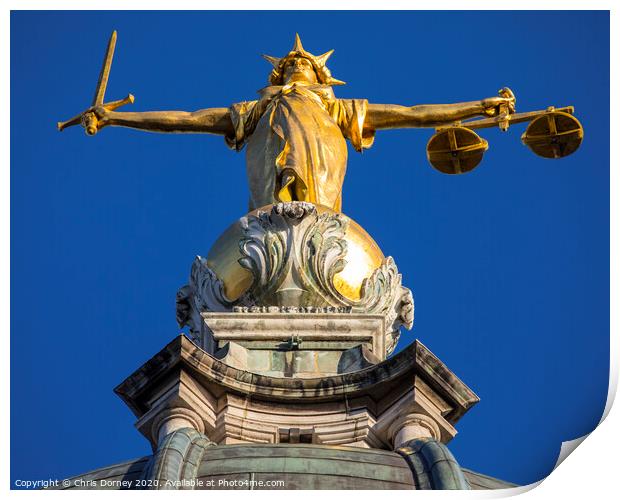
(299, 69)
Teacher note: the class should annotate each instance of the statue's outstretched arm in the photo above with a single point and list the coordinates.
(383, 116)
(209, 121)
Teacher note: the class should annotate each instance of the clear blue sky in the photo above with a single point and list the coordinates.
(509, 265)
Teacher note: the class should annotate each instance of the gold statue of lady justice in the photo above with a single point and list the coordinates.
(295, 132)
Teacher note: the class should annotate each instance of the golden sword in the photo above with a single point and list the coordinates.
(89, 119)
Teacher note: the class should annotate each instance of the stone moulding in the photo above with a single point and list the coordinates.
(295, 344)
(293, 253)
(335, 328)
(363, 408)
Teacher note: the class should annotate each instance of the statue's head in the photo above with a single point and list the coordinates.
(300, 65)
(298, 69)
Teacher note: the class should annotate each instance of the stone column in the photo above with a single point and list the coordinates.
(173, 419)
(412, 426)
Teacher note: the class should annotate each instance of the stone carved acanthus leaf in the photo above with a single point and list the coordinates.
(294, 253)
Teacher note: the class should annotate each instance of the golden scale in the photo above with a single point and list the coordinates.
(552, 133)
(454, 149)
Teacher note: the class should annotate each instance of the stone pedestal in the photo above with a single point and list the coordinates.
(288, 342)
(292, 319)
(295, 258)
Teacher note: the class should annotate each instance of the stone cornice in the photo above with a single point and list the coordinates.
(181, 354)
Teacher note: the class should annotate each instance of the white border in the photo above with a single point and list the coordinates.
(590, 472)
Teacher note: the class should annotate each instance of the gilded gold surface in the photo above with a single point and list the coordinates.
(295, 137)
(89, 119)
(295, 132)
(553, 135)
(455, 150)
(363, 257)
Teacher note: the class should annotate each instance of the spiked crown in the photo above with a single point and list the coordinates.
(323, 74)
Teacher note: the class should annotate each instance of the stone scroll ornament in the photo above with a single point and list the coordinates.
(293, 253)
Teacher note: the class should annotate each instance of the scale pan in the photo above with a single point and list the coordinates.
(553, 135)
(455, 150)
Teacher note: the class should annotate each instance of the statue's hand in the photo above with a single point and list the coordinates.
(102, 114)
(492, 105)
(94, 119)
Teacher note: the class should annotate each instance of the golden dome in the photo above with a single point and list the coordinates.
(363, 257)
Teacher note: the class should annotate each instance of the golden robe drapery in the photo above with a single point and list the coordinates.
(296, 148)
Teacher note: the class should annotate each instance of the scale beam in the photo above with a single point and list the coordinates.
(514, 118)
